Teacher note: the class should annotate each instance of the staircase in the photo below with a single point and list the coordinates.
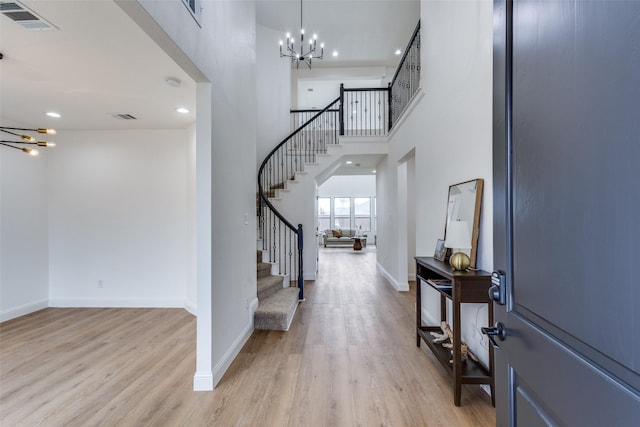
(277, 301)
(288, 169)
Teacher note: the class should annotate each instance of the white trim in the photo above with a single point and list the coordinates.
(398, 286)
(408, 109)
(233, 351)
(191, 307)
(119, 303)
(412, 277)
(203, 381)
(23, 309)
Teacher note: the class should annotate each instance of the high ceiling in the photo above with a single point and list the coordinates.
(364, 32)
(96, 63)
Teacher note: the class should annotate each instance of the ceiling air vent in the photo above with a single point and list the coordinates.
(20, 14)
(124, 117)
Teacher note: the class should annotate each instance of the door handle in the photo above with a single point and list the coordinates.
(498, 289)
(497, 331)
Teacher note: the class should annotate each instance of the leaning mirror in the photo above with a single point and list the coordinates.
(463, 207)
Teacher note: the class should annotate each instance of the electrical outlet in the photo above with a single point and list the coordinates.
(100, 284)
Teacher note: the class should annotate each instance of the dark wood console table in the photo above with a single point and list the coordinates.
(465, 287)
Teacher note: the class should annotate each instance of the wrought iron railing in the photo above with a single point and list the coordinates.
(365, 111)
(283, 240)
(406, 81)
(359, 112)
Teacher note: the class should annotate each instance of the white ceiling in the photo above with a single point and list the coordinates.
(364, 32)
(95, 64)
(98, 63)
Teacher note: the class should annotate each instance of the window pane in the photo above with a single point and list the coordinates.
(324, 224)
(342, 206)
(362, 206)
(324, 206)
(363, 223)
(343, 222)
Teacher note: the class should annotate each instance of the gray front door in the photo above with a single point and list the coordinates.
(567, 211)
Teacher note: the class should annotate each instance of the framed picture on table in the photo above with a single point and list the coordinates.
(441, 252)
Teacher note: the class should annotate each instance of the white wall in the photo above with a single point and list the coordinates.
(191, 298)
(118, 218)
(24, 261)
(220, 54)
(348, 185)
(450, 130)
(273, 92)
(326, 83)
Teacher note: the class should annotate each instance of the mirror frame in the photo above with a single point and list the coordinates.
(474, 222)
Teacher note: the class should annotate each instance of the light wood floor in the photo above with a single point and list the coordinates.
(349, 359)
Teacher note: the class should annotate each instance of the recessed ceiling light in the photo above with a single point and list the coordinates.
(373, 171)
(182, 110)
(398, 51)
(349, 162)
(53, 114)
(335, 53)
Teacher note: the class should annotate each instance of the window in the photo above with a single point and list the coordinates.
(324, 213)
(347, 213)
(342, 212)
(362, 208)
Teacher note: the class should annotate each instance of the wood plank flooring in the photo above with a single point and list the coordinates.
(349, 359)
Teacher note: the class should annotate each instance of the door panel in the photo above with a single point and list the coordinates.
(560, 385)
(576, 205)
(567, 210)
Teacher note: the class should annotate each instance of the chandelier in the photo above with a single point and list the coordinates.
(300, 55)
(26, 139)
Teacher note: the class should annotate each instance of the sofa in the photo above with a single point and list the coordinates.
(343, 237)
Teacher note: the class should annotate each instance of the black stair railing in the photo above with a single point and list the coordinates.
(406, 80)
(365, 111)
(280, 237)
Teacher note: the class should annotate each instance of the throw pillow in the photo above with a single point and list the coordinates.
(336, 233)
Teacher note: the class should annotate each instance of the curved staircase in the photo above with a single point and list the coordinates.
(277, 302)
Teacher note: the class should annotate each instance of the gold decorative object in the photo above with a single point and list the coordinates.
(459, 261)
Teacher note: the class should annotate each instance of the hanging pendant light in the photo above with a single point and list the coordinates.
(26, 139)
(301, 55)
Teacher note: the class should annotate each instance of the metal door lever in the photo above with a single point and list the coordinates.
(497, 331)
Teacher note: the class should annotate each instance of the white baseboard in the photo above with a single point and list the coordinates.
(23, 309)
(191, 308)
(116, 303)
(203, 381)
(231, 353)
(412, 277)
(397, 285)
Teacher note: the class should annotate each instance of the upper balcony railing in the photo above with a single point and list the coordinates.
(374, 111)
(406, 81)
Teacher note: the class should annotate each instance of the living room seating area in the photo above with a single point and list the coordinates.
(343, 237)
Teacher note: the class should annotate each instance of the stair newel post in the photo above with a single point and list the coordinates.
(389, 118)
(300, 264)
(341, 108)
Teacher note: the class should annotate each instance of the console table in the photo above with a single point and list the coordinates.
(464, 287)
